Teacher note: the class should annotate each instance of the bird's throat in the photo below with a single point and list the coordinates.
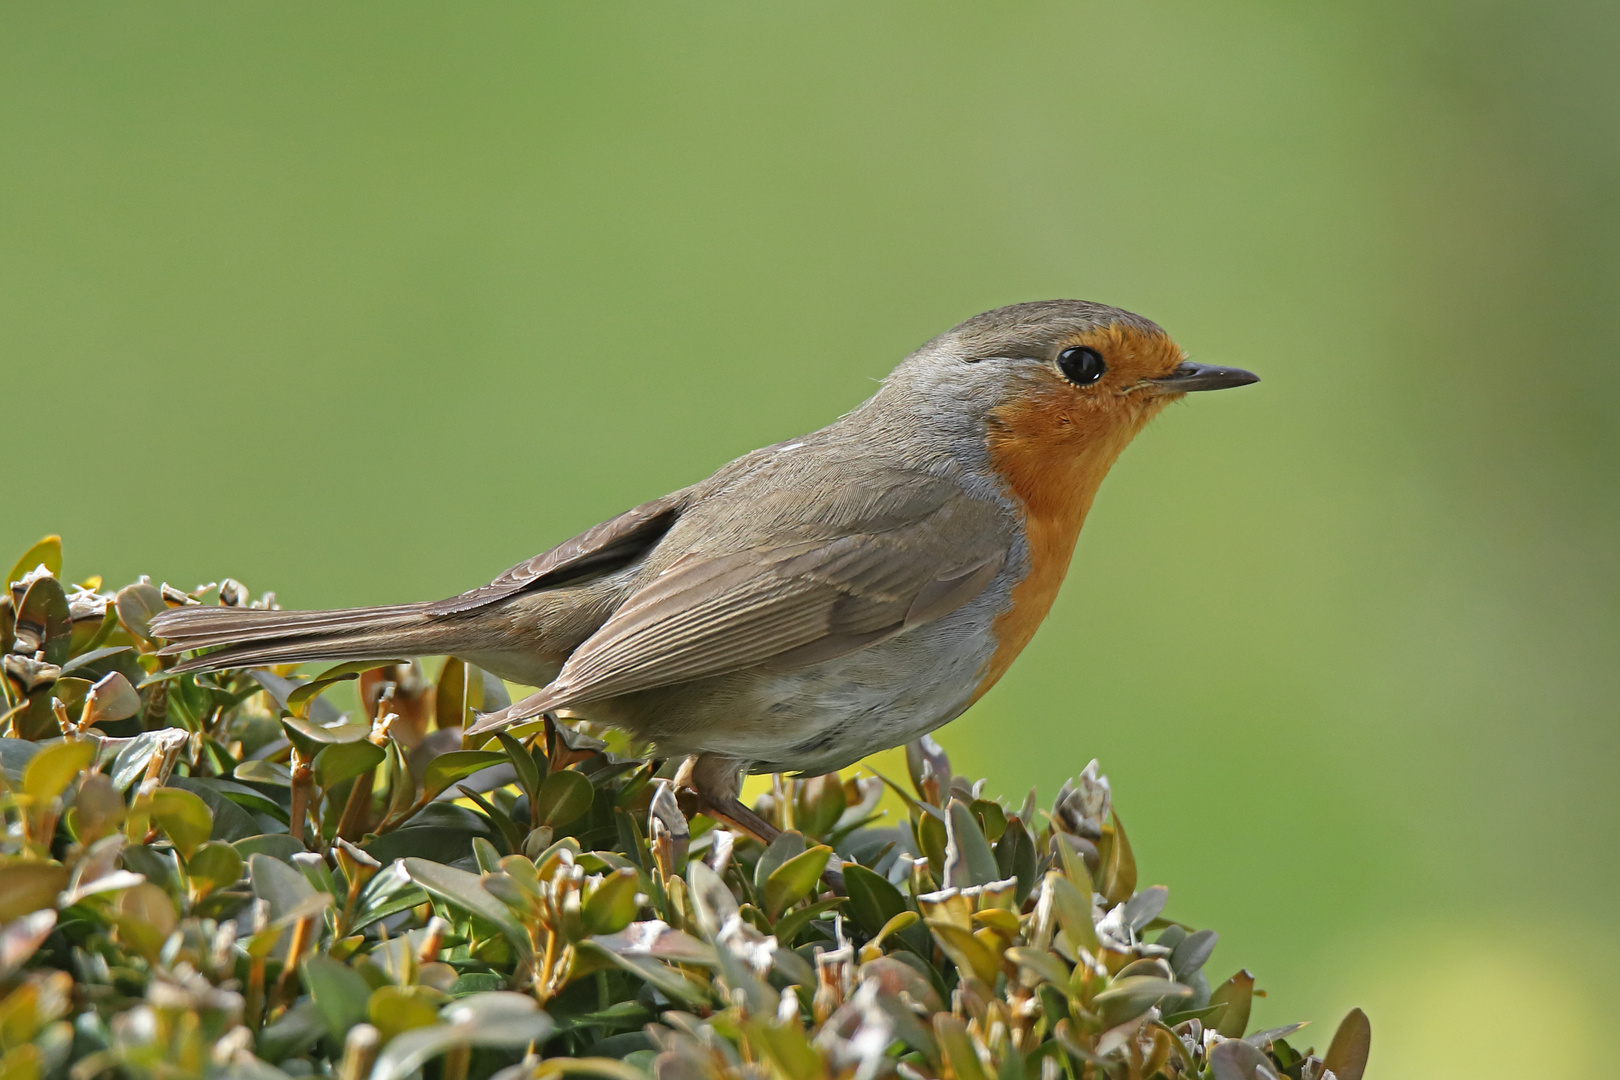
(1052, 465)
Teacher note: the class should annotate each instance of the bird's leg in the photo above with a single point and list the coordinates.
(716, 780)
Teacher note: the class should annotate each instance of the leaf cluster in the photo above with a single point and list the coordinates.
(223, 875)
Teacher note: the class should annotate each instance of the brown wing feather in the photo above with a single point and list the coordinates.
(798, 603)
(600, 549)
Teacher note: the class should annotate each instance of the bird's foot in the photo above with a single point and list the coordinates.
(715, 783)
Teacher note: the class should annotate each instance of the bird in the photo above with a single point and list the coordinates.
(812, 602)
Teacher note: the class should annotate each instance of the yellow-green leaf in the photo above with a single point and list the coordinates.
(446, 769)
(55, 767)
(396, 1009)
(613, 905)
(47, 552)
(29, 887)
(344, 761)
(1237, 994)
(564, 796)
(794, 879)
(214, 865)
(1347, 1054)
(957, 1046)
(971, 956)
(184, 817)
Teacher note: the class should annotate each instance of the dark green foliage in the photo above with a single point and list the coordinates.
(219, 875)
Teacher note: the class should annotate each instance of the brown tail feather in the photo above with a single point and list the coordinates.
(536, 703)
(199, 627)
(391, 644)
(259, 638)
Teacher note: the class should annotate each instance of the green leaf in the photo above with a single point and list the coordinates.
(454, 700)
(216, 863)
(669, 981)
(1118, 869)
(46, 552)
(311, 737)
(112, 698)
(499, 1019)
(1237, 1060)
(321, 711)
(136, 605)
(968, 858)
(29, 887)
(1192, 952)
(819, 804)
(465, 892)
(339, 993)
(55, 767)
(614, 904)
(299, 1028)
(497, 820)
(344, 761)
(1042, 963)
(931, 839)
(1016, 858)
(394, 1010)
(564, 797)
(872, 900)
(184, 817)
(971, 956)
(263, 772)
(794, 880)
(231, 822)
(992, 818)
(489, 860)
(1074, 913)
(15, 754)
(792, 924)
(145, 916)
(1352, 1042)
(446, 769)
(957, 1046)
(786, 845)
(306, 691)
(1237, 994)
(94, 656)
(44, 612)
(1129, 997)
(523, 763)
(217, 790)
(445, 843)
(1145, 906)
(279, 885)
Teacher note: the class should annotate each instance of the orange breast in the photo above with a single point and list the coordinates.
(1052, 448)
(1055, 500)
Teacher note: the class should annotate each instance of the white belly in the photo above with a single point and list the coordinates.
(827, 716)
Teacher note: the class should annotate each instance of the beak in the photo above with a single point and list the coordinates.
(1190, 376)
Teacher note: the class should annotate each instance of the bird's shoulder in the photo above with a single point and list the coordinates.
(821, 488)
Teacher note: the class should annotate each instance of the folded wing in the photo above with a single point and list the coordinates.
(786, 606)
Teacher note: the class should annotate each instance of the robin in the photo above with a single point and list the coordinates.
(812, 602)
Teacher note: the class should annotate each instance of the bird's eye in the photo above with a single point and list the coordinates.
(1082, 365)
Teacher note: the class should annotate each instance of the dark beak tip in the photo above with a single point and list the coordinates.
(1191, 377)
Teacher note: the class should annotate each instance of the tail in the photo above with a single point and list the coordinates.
(243, 637)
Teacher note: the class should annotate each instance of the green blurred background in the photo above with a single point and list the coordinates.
(420, 290)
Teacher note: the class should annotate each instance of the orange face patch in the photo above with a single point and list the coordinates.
(1052, 447)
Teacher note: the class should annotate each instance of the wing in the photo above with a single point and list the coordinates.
(791, 605)
(598, 550)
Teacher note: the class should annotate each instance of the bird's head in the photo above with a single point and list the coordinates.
(1053, 390)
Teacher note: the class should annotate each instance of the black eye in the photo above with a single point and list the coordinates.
(1081, 366)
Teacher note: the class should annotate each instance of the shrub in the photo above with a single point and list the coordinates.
(219, 875)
